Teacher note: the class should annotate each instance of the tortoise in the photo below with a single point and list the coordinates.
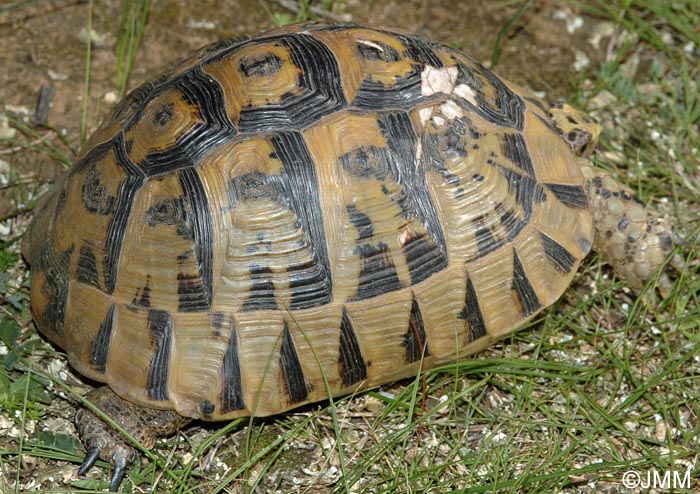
(309, 212)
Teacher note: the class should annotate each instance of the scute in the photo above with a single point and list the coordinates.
(320, 205)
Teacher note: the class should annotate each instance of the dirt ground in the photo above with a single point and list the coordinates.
(549, 48)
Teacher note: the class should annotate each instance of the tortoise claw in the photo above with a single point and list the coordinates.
(90, 458)
(120, 463)
(121, 459)
(104, 442)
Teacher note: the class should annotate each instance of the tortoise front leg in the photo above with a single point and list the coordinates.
(102, 441)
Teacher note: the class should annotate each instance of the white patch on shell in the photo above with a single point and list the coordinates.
(451, 110)
(403, 237)
(371, 44)
(424, 114)
(435, 80)
(467, 93)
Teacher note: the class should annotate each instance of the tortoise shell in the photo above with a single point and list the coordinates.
(282, 218)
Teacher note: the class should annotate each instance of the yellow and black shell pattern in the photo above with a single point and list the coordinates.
(312, 211)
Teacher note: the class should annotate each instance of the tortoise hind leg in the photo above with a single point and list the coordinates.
(634, 240)
(102, 441)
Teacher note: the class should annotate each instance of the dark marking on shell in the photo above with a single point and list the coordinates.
(168, 212)
(116, 231)
(420, 50)
(446, 143)
(472, 313)
(205, 99)
(377, 52)
(428, 254)
(523, 289)
(231, 380)
(485, 241)
(132, 103)
(414, 339)
(562, 259)
(378, 273)
(94, 195)
(546, 121)
(55, 266)
(291, 370)
(311, 283)
(254, 185)
(100, 345)
(196, 295)
(570, 195)
(143, 299)
(536, 102)
(423, 257)
(307, 282)
(369, 162)
(263, 65)
(511, 222)
(515, 149)
(86, 270)
(404, 93)
(160, 328)
(60, 204)
(189, 293)
(527, 191)
(207, 409)
(319, 85)
(163, 116)
(351, 364)
(360, 221)
(262, 290)
(507, 109)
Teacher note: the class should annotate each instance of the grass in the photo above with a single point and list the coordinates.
(600, 384)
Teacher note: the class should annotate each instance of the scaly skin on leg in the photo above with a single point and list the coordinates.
(102, 441)
(632, 239)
